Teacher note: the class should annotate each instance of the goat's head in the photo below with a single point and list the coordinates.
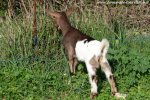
(60, 18)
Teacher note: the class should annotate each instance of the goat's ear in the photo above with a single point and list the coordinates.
(70, 10)
(52, 14)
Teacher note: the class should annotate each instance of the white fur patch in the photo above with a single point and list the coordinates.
(85, 51)
(90, 69)
(94, 88)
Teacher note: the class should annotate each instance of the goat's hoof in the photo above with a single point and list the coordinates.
(119, 95)
(72, 74)
(93, 95)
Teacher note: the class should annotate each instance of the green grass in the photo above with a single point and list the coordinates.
(46, 75)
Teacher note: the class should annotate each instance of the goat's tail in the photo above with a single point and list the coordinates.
(104, 47)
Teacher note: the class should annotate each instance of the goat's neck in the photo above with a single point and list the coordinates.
(65, 29)
(64, 25)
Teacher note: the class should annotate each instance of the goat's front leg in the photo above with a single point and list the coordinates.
(75, 62)
(93, 79)
(71, 65)
(71, 59)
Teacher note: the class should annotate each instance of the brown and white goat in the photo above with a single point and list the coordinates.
(79, 46)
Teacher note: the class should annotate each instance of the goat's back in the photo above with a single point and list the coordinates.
(74, 35)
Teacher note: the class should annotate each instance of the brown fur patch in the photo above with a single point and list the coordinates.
(94, 78)
(94, 62)
(105, 65)
(100, 58)
(111, 77)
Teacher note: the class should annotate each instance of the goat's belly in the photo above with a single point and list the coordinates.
(85, 51)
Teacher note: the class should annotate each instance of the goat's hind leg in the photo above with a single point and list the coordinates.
(107, 70)
(92, 78)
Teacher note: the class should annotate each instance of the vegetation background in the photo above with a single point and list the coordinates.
(33, 65)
